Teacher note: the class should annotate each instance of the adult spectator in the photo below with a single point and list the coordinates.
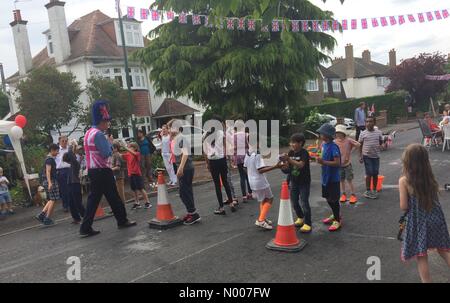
(146, 149)
(63, 172)
(360, 119)
(165, 152)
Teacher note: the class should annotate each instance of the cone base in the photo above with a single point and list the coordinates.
(162, 225)
(103, 217)
(292, 248)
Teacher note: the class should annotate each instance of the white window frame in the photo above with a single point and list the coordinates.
(50, 46)
(336, 86)
(325, 86)
(383, 82)
(312, 85)
(137, 74)
(132, 32)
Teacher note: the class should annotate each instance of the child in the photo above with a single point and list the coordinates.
(240, 150)
(74, 185)
(331, 163)
(117, 168)
(346, 146)
(371, 140)
(256, 168)
(185, 172)
(133, 158)
(5, 197)
(425, 222)
(300, 181)
(50, 183)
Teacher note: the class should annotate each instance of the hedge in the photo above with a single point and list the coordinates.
(393, 103)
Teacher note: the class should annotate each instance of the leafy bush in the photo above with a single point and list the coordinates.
(18, 195)
(34, 156)
(157, 161)
(314, 120)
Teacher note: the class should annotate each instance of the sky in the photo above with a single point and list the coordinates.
(409, 39)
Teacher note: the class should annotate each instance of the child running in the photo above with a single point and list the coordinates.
(5, 197)
(331, 163)
(133, 159)
(256, 169)
(50, 184)
(300, 181)
(371, 140)
(426, 228)
(346, 146)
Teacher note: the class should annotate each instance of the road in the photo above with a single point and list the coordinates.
(230, 248)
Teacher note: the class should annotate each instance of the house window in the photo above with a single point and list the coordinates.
(383, 81)
(125, 133)
(325, 86)
(312, 86)
(117, 74)
(336, 86)
(133, 34)
(50, 45)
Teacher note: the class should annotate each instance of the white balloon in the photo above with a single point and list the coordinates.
(16, 132)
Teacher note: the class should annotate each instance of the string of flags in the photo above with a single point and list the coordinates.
(245, 23)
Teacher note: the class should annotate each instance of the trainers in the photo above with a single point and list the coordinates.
(193, 218)
(40, 217)
(368, 194)
(343, 198)
(220, 212)
(268, 221)
(48, 222)
(353, 199)
(299, 222)
(306, 229)
(89, 234)
(335, 226)
(10, 212)
(186, 217)
(328, 220)
(147, 205)
(264, 224)
(136, 206)
(374, 194)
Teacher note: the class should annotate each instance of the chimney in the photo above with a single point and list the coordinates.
(392, 58)
(58, 30)
(21, 43)
(349, 61)
(366, 56)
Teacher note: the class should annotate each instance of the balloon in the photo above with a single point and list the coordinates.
(21, 121)
(7, 141)
(16, 132)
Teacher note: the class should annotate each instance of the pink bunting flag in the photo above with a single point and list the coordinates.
(144, 13)
(130, 12)
(392, 20)
(364, 24)
(155, 15)
(430, 16)
(375, 22)
(275, 26)
(325, 25)
(421, 17)
(230, 23)
(170, 15)
(315, 26)
(411, 18)
(335, 25)
(251, 25)
(305, 26)
(295, 24)
(384, 21)
(438, 15)
(196, 20)
(182, 18)
(241, 24)
(401, 20)
(344, 24)
(354, 24)
(445, 13)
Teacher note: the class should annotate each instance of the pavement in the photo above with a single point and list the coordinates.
(230, 248)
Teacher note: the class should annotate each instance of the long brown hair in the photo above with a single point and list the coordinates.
(421, 181)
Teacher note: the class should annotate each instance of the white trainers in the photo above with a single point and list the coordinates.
(264, 225)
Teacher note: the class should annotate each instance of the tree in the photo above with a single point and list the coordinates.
(106, 89)
(49, 99)
(410, 76)
(4, 105)
(237, 71)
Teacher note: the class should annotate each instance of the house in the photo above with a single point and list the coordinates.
(362, 77)
(90, 45)
(326, 85)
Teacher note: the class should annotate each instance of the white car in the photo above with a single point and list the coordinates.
(349, 123)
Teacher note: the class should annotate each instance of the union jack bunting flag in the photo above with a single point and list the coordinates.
(155, 15)
(421, 17)
(130, 12)
(241, 24)
(430, 16)
(170, 15)
(251, 25)
(196, 20)
(315, 26)
(325, 26)
(393, 20)
(411, 18)
(305, 26)
(275, 26)
(295, 26)
(364, 24)
(383, 21)
(438, 15)
(144, 13)
(375, 22)
(230, 23)
(344, 24)
(354, 24)
(445, 13)
(182, 18)
(335, 25)
(401, 20)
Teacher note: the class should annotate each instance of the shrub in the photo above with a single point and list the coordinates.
(314, 120)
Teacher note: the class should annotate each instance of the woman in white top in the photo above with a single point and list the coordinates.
(165, 152)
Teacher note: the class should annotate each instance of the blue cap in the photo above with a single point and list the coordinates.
(327, 130)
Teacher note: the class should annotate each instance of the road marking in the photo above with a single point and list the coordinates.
(31, 227)
(186, 257)
(369, 236)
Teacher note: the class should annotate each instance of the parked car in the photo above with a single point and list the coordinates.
(349, 123)
(154, 136)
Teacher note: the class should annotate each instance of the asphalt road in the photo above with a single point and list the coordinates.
(231, 248)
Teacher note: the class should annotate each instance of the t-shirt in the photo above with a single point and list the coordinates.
(371, 141)
(3, 185)
(117, 161)
(214, 145)
(301, 176)
(181, 144)
(144, 146)
(253, 162)
(345, 146)
(330, 174)
(59, 158)
(360, 117)
(133, 163)
(49, 161)
(165, 144)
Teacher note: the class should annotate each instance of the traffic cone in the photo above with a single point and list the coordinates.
(100, 213)
(286, 237)
(164, 215)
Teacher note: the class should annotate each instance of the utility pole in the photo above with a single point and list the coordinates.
(2, 77)
(127, 72)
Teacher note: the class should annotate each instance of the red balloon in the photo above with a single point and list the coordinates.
(21, 121)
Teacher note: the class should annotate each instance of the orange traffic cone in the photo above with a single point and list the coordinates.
(286, 236)
(100, 213)
(164, 214)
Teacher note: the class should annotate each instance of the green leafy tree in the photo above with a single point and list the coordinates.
(106, 89)
(237, 72)
(49, 99)
(4, 105)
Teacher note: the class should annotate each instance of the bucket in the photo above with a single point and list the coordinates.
(379, 184)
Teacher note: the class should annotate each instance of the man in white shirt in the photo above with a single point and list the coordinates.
(63, 171)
